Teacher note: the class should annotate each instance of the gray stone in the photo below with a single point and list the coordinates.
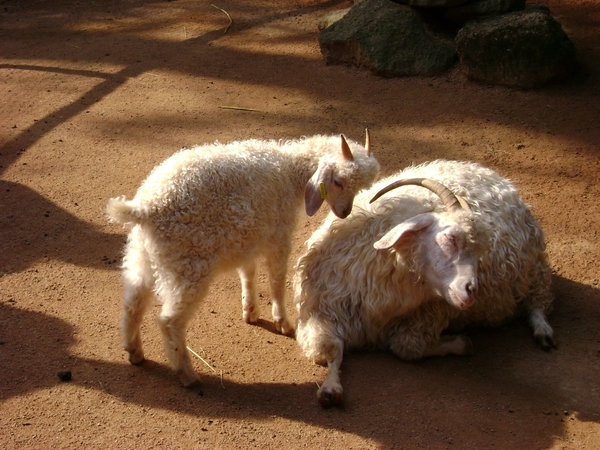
(523, 49)
(476, 8)
(387, 38)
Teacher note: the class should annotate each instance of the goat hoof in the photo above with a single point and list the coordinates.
(136, 357)
(252, 315)
(546, 342)
(193, 384)
(285, 327)
(320, 361)
(469, 350)
(189, 382)
(330, 397)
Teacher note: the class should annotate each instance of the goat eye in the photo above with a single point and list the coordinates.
(338, 184)
(452, 240)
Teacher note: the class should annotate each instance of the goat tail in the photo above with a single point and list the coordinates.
(120, 210)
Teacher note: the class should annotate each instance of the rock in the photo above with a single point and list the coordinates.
(332, 17)
(387, 38)
(475, 8)
(523, 49)
(432, 3)
(65, 375)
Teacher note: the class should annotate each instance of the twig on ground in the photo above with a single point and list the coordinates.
(201, 359)
(228, 16)
(205, 362)
(239, 108)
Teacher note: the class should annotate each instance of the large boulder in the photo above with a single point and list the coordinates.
(331, 17)
(432, 3)
(389, 39)
(522, 49)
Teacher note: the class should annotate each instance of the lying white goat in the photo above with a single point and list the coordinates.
(400, 271)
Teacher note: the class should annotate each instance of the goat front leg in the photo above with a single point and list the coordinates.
(250, 308)
(277, 266)
(331, 392)
(542, 331)
(539, 303)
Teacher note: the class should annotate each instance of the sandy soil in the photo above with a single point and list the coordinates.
(95, 94)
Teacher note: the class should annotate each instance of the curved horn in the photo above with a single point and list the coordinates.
(346, 150)
(451, 201)
(368, 141)
(463, 203)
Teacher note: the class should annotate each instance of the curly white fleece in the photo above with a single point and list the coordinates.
(349, 293)
(220, 206)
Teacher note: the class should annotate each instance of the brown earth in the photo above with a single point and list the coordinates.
(95, 94)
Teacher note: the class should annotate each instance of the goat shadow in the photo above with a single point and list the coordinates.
(509, 387)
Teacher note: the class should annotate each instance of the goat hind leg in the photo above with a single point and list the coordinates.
(135, 305)
(459, 345)
(418, 338)
(138, 282)
(176, 312)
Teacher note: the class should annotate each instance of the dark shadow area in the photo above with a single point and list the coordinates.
(470, 400)
(34, 229)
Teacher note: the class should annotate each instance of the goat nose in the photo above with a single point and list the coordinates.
(345, 212)
(471, 290)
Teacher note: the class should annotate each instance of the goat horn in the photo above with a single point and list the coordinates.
(451, 201)
(346, 150)
(368, 141)
(463, 203)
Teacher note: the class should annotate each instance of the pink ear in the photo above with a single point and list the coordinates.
(348, 156)
(413, 224)
(312, 193)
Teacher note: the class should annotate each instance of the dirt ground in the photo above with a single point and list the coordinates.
(95, 94)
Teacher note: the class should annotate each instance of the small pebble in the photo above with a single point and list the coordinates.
(65, 376)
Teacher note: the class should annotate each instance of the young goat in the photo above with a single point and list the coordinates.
(216, 207)
(398, 272)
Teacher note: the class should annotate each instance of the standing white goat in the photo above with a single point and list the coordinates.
(217, 207)
(400, 271)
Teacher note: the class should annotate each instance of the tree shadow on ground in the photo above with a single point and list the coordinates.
(135, 53)
(35, 229)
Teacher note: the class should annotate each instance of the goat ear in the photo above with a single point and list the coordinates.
(348, 156)
(411, 225)
(314, 193)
